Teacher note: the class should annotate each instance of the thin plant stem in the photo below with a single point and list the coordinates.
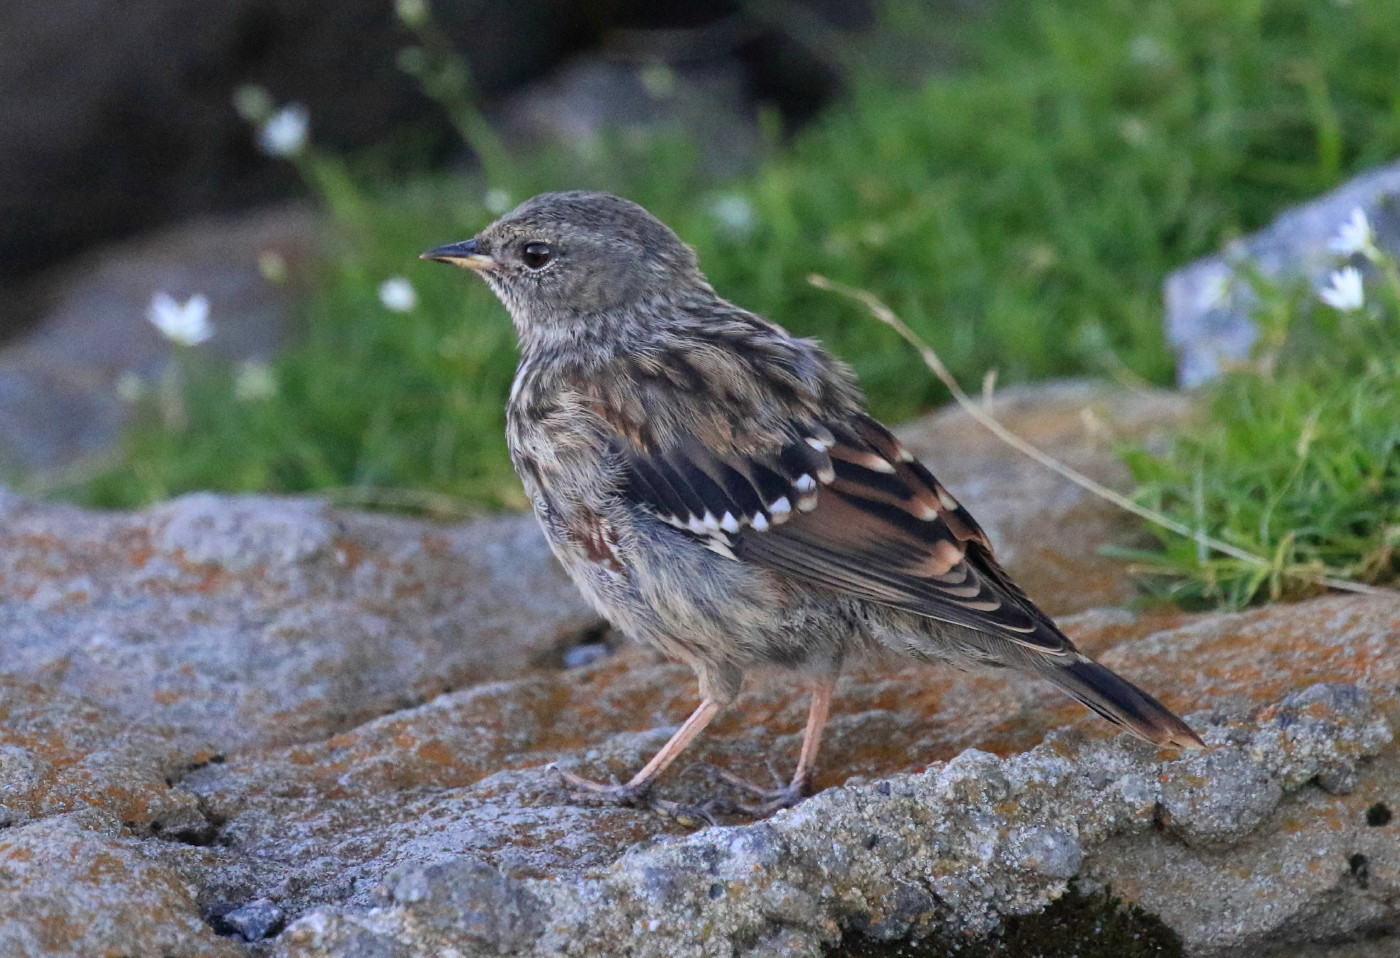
(884, 314)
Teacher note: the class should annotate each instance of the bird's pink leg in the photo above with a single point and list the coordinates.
(636, 789)
(800, 786)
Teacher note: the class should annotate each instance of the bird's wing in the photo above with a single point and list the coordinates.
(844, 506)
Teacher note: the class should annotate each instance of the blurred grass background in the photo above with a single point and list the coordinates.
(1019, 208)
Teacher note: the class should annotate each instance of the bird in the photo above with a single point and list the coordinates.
(716, 488)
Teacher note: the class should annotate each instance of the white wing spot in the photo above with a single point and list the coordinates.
(673, 520)
(820, 445)
(720, 546)
(729, 523)
(805, 483)
(947, 501)
(760, 522)
(780, 507)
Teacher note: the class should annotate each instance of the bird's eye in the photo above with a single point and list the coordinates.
(535, 255)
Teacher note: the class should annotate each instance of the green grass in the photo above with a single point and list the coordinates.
(1019, 209)
(1294, 458)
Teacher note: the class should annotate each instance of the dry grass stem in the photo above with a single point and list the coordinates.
(884, 314)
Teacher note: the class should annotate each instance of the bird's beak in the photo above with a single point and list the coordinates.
(464, 254)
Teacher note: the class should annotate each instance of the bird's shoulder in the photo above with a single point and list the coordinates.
(729, 378)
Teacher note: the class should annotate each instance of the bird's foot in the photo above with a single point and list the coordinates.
(768, 800)
(637, 795)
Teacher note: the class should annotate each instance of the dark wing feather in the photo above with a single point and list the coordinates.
(841, 505)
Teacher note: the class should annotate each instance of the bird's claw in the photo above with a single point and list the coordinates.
(769, 801)
(588, 792)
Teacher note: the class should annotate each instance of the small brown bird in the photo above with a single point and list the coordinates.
(715, 487)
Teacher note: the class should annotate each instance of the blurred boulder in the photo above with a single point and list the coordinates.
(1210, 303)
(59, 382)
(118, 115)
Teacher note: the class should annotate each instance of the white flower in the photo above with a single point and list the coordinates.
(1355, 236)
(1345, 291)
(186, 324)
(285, 133)
(496, 201)
(254, 381)
(1215, 291)
(398, 295)
(734, 214)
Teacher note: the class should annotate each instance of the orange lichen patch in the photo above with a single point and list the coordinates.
(348, 552)
(75, 754)
(437, 751)
(885, 721)
(1094, 634)
(210, 578)
(1263, 654)
(434, 544)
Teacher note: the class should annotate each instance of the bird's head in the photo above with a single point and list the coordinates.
(566, 263)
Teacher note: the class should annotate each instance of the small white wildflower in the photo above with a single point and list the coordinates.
(734, 214)
(1345, 291)
(497, 201)
(1355, 236)
(411, 13)
(1215, 291)
(186, 324)
(254, 382)
(285, 132)
(131, 388)
(398, 295)
(253, 103)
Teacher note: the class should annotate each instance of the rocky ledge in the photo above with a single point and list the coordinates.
(251, 726)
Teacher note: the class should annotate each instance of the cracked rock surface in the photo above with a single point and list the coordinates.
(266, 727)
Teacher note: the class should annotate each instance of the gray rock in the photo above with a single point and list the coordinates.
(73, 884)
(253, 921)
(245, 620)
(116, 120)
(586, 99)
(272, 710)
(1209, 302)
(951, 849)
(1223, 806)
(58, 382)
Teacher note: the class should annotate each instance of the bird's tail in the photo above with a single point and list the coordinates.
(1119, 701)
